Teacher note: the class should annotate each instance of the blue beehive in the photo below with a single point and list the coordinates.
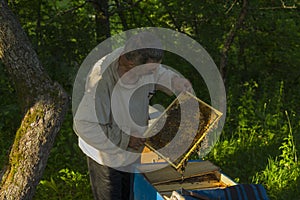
(202, 180)
(159, 184)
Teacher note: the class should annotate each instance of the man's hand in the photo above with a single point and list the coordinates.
(181, 84)
(136, 143)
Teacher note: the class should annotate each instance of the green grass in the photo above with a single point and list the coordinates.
(262, 147)
(282, 174)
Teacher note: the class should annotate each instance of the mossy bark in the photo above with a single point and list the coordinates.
(43, 102)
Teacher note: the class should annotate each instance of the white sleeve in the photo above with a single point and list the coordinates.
(104, 138)
(164, 80)
(99, 132)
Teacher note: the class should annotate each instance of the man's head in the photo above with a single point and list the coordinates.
(143, 48)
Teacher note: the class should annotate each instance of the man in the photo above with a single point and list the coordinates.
(113, 113)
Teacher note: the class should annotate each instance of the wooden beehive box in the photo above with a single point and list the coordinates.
(181, 128)
(159, 184)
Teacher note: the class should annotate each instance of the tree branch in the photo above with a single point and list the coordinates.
(72, 9)
(120, 8)
(230, 8)
(230, 38)
(177, 26)
(283, 6)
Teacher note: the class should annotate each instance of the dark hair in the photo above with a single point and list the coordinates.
(142, 47)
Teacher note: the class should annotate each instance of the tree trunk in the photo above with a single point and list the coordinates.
(43, 102)
(230, 38)
(121, 15)
(102, 20)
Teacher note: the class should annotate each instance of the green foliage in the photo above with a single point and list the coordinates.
(68, 184)
(10, 115)
(281, 175)
(259, 146)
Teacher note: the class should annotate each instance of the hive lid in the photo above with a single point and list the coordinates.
(168, 174)
(181, 128)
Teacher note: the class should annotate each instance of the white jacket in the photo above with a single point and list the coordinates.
(110, 110)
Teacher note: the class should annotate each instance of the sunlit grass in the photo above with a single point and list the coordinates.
(261, 148)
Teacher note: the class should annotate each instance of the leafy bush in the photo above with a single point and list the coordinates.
(282, 174)
(67, 184)
(258, 145)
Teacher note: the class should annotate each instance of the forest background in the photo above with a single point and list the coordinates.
(254, 43)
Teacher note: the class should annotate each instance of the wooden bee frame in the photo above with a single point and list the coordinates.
(180, 129)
